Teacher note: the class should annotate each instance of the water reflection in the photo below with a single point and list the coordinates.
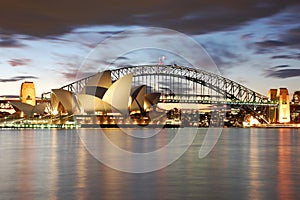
(285, 182)
(26, 171)
(81, 178)
(53, 166)
(245, 164)
(254, 172)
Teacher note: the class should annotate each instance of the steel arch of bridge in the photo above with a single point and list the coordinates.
(210, 87)
(218, 88)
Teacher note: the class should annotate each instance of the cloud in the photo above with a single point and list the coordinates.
(192, 16)
(224, 55)
(76, 75)
(89, 37)
(280, 71)
(292, 38)
(9, 42)
(292, 56)
(282, 33)
(295, 31)
(289, 39)
(270, 44)
(16, 78)
(247, 36)
(122, 58)
(288, 16)
(280, 67)
(19, 62)
(282, 57)
(72, 70)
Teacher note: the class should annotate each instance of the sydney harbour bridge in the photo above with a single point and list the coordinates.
(179, 84)
(184, 85)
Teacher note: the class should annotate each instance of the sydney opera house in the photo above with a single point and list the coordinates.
(100, 101)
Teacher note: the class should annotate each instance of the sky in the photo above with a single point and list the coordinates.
(53, 43)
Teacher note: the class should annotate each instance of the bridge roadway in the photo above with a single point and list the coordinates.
(207, 99)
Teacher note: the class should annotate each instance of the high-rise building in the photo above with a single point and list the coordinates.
(283, 105)
(295, 107)
(272, 94)
(27, 93)
(296, 97)
(272, 114)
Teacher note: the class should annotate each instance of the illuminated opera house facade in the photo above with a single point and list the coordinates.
(100, 101)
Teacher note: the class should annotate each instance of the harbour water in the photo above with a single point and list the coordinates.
(244, 164)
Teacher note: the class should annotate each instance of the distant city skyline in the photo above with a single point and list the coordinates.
(253, 43)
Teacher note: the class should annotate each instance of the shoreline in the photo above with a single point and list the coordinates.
(79, 126)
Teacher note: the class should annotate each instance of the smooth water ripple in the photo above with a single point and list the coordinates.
(244, 164)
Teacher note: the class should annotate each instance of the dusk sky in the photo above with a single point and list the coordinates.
(255, 43)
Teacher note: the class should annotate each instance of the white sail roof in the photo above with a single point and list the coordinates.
(92, 104)
(28, 109)
(40, 108)
(138, 98)
(102, 79)
(67, 99)
(118, 94)
(24, 107)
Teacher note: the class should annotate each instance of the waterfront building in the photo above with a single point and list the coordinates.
(27, 93)
(27, 104)
(30, 110)
(280, 114)
(104, 100)
(296, 98)
(283, 105)
(272, 111)
(295, 107)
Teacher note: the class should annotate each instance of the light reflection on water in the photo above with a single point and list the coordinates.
(245, 164)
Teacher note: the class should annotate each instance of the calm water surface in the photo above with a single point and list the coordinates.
(245, 164)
